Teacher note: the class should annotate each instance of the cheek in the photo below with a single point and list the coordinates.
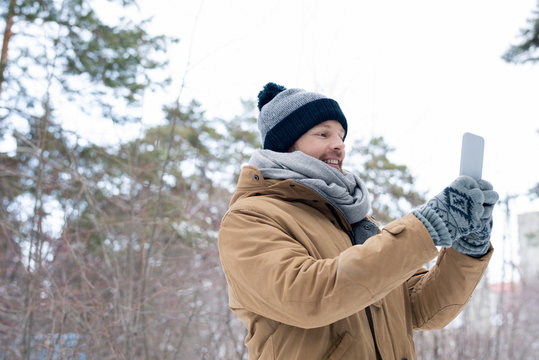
(314, 151)
(310, 146)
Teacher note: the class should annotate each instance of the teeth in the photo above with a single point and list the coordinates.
(333, 162)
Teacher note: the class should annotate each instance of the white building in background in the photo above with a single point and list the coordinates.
(528, 235)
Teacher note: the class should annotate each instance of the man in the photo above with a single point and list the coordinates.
(310, 274)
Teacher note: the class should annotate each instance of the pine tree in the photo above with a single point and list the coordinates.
(60, 61)
(526, 51)
(390, 185)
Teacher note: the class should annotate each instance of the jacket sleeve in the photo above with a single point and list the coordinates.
(439, 295)
(271, 274)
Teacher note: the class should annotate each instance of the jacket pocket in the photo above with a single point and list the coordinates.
(341, 347)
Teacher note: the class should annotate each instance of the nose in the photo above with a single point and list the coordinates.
(337, 143)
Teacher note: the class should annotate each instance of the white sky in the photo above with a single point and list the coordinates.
(419, 73)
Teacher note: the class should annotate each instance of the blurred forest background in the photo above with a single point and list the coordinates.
(109, 251)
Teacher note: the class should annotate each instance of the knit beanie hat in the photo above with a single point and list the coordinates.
(287, 114)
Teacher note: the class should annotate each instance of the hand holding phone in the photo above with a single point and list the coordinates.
(471, 156)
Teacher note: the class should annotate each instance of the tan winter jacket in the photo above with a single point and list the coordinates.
(304, 292)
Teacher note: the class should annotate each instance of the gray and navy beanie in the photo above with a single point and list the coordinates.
(287, 114)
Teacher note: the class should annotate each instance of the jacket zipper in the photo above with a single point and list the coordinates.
(368, 308)
(371, 325)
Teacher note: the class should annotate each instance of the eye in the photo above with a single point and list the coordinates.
(323, 134)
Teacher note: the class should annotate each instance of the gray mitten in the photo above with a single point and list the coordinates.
(453, 213)
(477, 243)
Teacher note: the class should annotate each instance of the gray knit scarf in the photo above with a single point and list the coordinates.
(345, 190)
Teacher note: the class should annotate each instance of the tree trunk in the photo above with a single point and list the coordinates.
(7, 36)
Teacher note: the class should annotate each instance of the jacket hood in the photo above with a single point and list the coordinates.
(252, 183)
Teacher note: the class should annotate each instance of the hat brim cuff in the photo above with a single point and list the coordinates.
(283, 135)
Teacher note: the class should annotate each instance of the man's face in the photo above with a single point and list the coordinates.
(323, 142)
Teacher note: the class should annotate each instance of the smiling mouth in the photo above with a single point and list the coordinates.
(332, 162)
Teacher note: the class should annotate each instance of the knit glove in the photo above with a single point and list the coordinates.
(453, 213)
(477, 243)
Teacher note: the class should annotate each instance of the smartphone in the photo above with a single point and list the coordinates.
(471, 156)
